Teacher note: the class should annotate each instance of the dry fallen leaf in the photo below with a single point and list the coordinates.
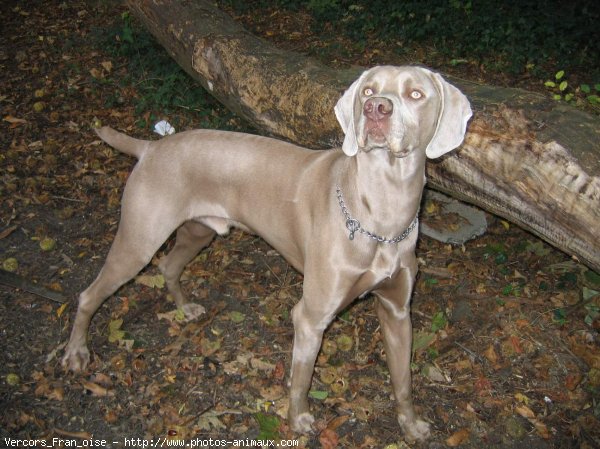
(329, 439)
(516, 344)
(279, 371)
(337, 422)
(522, 398)
(97, 390)
(362, 408)
(261, 365)
(525, 411)
(8, 231)
(61, 309)
(102, 379)
(273, 392)
(433, 373)
(107, 65)
(156, 281)
(111, 417)
(587, 352)
(491, 355)
(209, 421)
(96, 73)
(541, 429)
(482, 385)
(573, 380)
(14, 121)
(57, 393)
(208, 347)
(458, 438)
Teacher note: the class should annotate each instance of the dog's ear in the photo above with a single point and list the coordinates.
(455, 112)
(344, 111)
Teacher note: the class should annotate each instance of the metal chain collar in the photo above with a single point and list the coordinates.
(354, 226)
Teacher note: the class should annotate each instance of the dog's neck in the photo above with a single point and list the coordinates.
(383, 191)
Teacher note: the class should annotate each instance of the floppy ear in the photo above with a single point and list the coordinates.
(344, 111)
(455, 112)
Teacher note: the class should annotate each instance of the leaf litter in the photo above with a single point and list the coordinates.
(505, 347)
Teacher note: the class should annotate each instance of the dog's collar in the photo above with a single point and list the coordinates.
(354, 226)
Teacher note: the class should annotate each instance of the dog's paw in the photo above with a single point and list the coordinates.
(76, 359)
(192, 311)
(417, 430)
(302, 423)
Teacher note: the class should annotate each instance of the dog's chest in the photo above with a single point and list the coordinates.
(385, 261)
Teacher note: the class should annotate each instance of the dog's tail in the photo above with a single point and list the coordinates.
(122, 142)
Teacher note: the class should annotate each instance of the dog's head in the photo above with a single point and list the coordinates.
(402, 109)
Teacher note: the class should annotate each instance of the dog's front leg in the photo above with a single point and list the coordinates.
(309, 325)
(393, 309)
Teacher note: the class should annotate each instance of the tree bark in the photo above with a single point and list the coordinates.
(526, 158)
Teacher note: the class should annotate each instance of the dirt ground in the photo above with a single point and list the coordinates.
(506, 348)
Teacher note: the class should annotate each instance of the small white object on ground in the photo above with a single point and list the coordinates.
(164, 128)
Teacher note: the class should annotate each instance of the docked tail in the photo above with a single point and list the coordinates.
(122, 142)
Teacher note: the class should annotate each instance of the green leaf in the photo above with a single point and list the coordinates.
(179, 315)
(318, 394)
(593, 313)
(550, 84)
(562, 86)
(588, 293)
(115, 324)
(438, 321)
(501, 258)
(114, 330)
(585, 88)
(597, 87)
(431, 282)
(495, 248)
(593, 99)
(209, 347)
(236, 317)
(498, 251)
(560, 316)
(567, 280)
(592, 277)
(559, 75)
(344, 342)
(268, 426)
(421, 340)
(537, 248)
(569, 97)
(152, 281)
(557, 97)
(268, 423)
(127, 35)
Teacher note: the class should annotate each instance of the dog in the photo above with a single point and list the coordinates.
(347, 219)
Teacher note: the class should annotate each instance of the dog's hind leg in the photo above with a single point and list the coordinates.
(137, 240)
(191, 238)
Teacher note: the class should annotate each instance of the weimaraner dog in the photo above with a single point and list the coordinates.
(346, 219)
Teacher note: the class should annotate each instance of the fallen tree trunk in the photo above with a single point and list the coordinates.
(526, 158)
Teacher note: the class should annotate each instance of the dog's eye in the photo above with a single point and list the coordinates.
(368, 92)
(416, 95)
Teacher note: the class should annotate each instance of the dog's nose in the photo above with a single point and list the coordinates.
(378, 108)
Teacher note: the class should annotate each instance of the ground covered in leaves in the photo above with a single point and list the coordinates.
(506, 328)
